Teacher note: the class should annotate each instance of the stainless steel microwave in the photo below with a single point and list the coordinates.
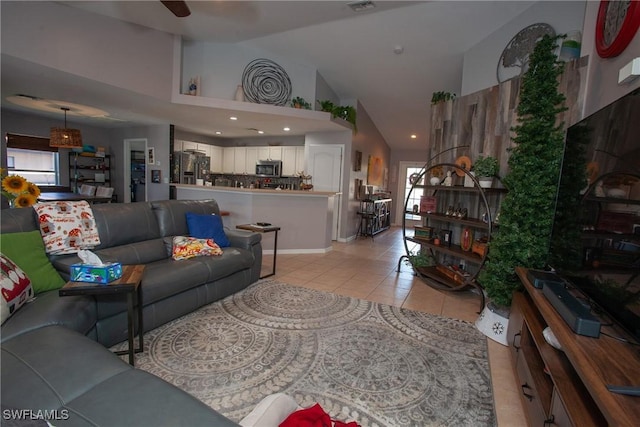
(269, 168)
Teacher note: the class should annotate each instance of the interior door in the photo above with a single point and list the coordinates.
(325, 168)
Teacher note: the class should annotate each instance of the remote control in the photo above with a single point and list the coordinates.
(622, 389)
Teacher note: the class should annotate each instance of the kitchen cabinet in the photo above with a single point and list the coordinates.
(275, 153)
(240, 160)
(228, 159)
(216, 154)
(292, 160)
(252, 157)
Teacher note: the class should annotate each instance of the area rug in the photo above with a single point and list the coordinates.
(376, 364)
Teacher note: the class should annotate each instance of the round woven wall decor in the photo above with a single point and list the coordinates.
(265, 82)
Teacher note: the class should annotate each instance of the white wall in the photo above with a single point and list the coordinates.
(602, 78)
(89, 45)
(220, 67)
(480, 62)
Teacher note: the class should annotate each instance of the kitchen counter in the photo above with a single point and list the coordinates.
(305, 217)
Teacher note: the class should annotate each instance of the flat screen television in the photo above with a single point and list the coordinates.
(595, 242)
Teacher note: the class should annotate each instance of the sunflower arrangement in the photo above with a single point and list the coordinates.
(19, 192)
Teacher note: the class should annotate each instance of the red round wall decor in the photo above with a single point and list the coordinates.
(616, 25)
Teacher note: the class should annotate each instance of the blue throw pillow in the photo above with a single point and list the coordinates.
(207, 227)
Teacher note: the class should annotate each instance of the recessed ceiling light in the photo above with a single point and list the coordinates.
(286, 129)
(260, 132)
(414, 136)
(218, 132)
(233, 118)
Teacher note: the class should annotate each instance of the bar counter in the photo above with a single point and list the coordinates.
(305, 217)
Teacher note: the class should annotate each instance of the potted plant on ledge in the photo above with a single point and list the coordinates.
(527, 211)
(485, 169)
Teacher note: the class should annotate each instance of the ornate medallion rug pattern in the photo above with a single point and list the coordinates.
(363, 361)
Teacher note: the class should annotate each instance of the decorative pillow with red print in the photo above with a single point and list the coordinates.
(189, 247)
(67, 227)
(16, 287)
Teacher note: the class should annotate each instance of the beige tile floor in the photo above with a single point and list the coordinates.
(366, 268)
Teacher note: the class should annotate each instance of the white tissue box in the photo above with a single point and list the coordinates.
(96, 273)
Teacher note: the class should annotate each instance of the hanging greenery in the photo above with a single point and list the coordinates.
(347, 112)
(527, 212)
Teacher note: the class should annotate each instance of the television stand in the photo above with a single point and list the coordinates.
(569, 387)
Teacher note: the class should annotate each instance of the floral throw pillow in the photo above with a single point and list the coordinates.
(189, 247)
(67, 227)
(16, 288)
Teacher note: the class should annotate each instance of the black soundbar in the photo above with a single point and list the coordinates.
(538, 278)
(577, 315)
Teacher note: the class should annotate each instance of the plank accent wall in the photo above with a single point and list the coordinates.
(480, 123)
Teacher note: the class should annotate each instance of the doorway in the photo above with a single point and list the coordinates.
(404, 189)
(135, 170)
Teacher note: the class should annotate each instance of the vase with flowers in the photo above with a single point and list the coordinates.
(19, 192)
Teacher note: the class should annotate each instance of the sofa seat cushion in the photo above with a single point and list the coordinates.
(78, 313)
(48, 367)
(54, 368)
(137, 398)
(166, 278)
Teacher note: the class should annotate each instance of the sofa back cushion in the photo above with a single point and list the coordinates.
(172, 214)
(17, 220)
(124, 223)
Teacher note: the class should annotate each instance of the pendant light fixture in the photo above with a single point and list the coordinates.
(64, 137)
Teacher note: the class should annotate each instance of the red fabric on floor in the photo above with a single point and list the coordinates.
(314, 416)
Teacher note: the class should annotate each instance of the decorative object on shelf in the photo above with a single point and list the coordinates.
(570, 47)
(194, 86)
(466, 239)
(416, 209)
(464, 164)
(239, 94)
(514, 60)
(437, 173)
(527, 211)
(420, 259)
(616, 25)
(441, 96)
(428, 204)
(485, 169)
(493, 323)
(300, 103)
(65, 137)
(448, 181)
(265, 82)
(19, 192)
(347, 112)
(446, 237)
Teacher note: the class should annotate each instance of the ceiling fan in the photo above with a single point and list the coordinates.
(178, 8)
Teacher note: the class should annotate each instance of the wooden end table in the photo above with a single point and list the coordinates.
(264, 229)
(129, 283)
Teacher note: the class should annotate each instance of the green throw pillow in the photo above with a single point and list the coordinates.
(26, 250)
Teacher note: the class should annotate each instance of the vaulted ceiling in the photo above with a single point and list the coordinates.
(355, 52)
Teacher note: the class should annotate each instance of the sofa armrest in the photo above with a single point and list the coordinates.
(243, 239)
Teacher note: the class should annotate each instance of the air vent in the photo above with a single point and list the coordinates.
(361, 6)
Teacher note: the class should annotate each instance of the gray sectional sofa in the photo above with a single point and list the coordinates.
(53, 348)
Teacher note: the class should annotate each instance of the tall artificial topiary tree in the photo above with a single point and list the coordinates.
(527, 211)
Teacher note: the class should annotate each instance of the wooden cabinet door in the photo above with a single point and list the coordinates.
(299, 159)
(251, 159)
(275, 153)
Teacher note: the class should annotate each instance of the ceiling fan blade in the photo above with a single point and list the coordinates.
(178, 8)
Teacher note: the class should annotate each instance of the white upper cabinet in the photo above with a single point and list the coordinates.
(292, 160)
(240, 160)
(228, 159)
(252, 158)
(216, 154)
(275, 153)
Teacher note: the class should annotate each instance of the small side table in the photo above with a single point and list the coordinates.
(129, 283)
(264, 229)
